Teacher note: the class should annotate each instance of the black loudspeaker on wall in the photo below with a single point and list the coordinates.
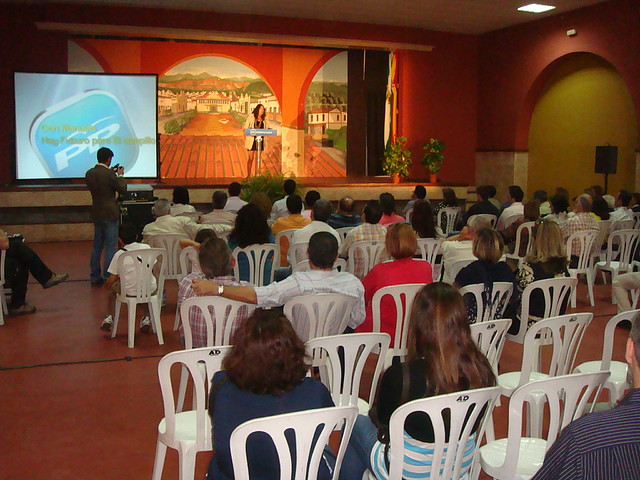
(606, 159)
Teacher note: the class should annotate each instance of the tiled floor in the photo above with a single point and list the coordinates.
(77, 404)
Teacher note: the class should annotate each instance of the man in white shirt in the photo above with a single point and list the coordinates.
(321, 278)
(219, 214)
(279, 209)
(514, 210)
(234, 202)
(460, 247)
(622, 211)
(319, 215)
(167, 224)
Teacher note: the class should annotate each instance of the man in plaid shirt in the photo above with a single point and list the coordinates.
(216, 264)
(370, 230)
(580, 222)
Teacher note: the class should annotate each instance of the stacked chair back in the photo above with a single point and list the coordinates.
(490, 303)
(369, 252)
(188, 261)
(586, 242)
(448, 214)
(187, 432)
(171, 243)
(262, 260)
(303, 434)
(319, 315)
(518, 254)
(490, 337)
(429, 248)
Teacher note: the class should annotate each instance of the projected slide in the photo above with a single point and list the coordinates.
(63, 119)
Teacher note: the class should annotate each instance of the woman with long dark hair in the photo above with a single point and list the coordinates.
(422, 220)
(251, 228)
(256, 119)
(264, 374)
(442, 358)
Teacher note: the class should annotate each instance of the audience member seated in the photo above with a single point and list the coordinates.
(124, 281)
(514, 209)
(263, 202)
(309, 199)
(279, 209)
(488, 248)
(422, 220)
(388, 204)
(600, 209)
(234, 202)
(546, 259)
(294, 221)
(219, 214)
(167, 224)
(401, 245)
(540, 196)
(370, 230)
(321, 278)
(460, 247)
(602, 445)
(180, 202)
(20, 260)
(251, 229)
(580, 222)
(443, 358)
(216, 263)
(264, 374)
(346, 216)
(492, 196)
(635, 202)
(319, 217)
(419, 193)
(201, 236)
(449, 200)
(622, 210)
(531, 214)
(482, 205)
(559, 209)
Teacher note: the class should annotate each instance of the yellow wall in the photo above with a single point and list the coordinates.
(586, 103)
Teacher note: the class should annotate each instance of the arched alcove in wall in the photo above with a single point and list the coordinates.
(582, 103)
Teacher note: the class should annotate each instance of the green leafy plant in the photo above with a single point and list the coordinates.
(397, 158)
(268, 183)
(433, 158)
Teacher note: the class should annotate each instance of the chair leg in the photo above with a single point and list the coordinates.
(176, 322)
(574, 292)
(489, 430)
(590, 287)
(154, 311)
(158, 463)
(3, 299)
(114, 327)
(132, 308)
(187, 460)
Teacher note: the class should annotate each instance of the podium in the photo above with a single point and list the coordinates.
(258, 133)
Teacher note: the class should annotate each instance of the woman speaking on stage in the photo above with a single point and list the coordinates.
(256, 119)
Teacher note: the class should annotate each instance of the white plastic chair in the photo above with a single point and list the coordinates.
(585, 240)
(170, 243)
(620, 260)
(450, 214)
(308, 430)
(490, 337)
(344, 230)
(617, 383)
(319, 315)
(636, 219)
(3, 306)
(284, 246)
(455, 268)
(258, 257)
(565, 334)
(188, 260)
(402, 296)
(188, 432)
(490, 308)
(555, 292)
(342, 359)
(340, 264)
(429, 248)
(298, 253)
(452, 456)
(487, 217)
(528, 226)
(409, 215)
(519, 458)
(144, 261)
(369, 253)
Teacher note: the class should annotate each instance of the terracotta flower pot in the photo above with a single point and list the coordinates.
(433, 178)
(395, 177)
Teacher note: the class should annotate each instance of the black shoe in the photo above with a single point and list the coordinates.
(23, 309)
(55, 280)
(99, 283)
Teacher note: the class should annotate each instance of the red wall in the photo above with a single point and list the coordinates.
(437, 90)
(515, 62)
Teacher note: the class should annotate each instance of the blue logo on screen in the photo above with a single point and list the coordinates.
(67, 135)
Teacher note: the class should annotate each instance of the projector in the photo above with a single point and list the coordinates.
(138, 192)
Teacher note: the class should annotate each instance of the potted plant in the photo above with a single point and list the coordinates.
(433, 158)
(397, 159)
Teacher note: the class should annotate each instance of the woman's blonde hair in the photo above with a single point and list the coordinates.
(488, 245)
(401, 241)
(547, 242)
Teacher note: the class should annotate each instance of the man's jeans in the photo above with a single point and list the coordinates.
(105, 236)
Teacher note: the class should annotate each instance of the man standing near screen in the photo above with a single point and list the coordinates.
(103, 182)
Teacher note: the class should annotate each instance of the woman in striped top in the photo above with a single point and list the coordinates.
(442, 358)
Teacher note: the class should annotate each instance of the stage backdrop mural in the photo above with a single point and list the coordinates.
(205, 93)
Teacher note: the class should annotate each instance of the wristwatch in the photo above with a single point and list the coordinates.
(220, 290)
